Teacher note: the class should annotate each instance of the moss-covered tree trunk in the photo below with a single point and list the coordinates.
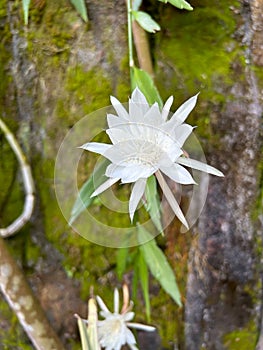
(217, 49)
(59, 69)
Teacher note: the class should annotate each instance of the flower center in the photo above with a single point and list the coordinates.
(144, 153)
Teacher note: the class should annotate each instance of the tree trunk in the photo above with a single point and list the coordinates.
(222, 292)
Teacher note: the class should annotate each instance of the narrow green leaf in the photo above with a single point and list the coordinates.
(121, 261)
(81, 8)
(135, 277)
(153, 202)
(83, 200)
(83, 331)
(144, 279)
(26, 4)
(146, 21)
(181, 4)
(158, 264)
(145, 83)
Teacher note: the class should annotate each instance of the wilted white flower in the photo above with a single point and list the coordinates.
(146, 142)
(114, 331)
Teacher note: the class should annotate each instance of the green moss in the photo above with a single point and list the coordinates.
(241, 339)
(198, 52)
(12, 335)
(86, 92)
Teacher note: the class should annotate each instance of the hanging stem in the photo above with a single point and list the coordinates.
(130, 40)
(28, 185)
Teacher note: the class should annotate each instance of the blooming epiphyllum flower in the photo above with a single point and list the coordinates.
(114, 330)
(146, 142)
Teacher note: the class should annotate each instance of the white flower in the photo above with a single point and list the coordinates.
(113, 331)
(146, 142)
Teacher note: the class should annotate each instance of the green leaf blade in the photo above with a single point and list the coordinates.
(83, 334)
(80, 6)
(158, 264)
(144, 279)
(146, 21)
(153, 203)
(26, 4)
(84, 200)
(145, 83)
(180, 4)
(121, 261)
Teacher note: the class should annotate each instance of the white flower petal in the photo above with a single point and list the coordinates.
(121, 111)
(115, 171)
(102, 304)
(170, 198)
(184, 110)
(135, 111)
(178, 174)
(181, 133)
(96, 147)
(172, 151)
(140, 326)
(118, 154)
(133, 347)
(166, 108)
(128, 316)
(114, 121)
(153, 116)
(117, 135)
(116, 301)
(195, 164)
(139, 98)
(130, 339)
(129, 173)
(136, 195)
(135, 172)
(104, 186)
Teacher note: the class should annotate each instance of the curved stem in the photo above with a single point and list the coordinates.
(28, 185)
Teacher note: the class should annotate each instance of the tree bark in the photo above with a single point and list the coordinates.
(222, 287)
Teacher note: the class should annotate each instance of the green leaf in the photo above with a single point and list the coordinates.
(158, 264)
(135, 277)
(146, 21)
(144, 279)
(81, 8)
(83, 200)
(136, 4)
(26, 4)
(145, 83)
(89, 334)
(181, 4)
(83, 331)
(153, 202)
(121, 261)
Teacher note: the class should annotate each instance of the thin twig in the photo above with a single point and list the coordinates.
(28, 185)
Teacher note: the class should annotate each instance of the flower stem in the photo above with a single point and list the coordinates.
(130, 40)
